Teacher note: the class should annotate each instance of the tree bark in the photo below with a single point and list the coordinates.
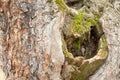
(111, 26)
(31, 46)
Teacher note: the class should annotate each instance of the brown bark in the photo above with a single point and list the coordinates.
(30, 38)
(27, 32)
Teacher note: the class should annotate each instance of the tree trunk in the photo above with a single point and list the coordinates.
(33, 34)
(111, 26)
(31, 47)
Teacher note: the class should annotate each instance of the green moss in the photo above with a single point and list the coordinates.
(87, 69)
(76, 44)
(89, 66)
(77, 23)
(103, 43)
(87, 55)
(61, 4)
(65, 50)
(49, 0)
(81, 23)
(103, 48)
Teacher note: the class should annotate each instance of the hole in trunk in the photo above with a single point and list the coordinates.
(84, 47)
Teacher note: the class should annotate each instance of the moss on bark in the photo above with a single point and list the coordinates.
(81, 28)
(61, 4)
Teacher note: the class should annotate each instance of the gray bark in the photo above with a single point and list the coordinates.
(31, 47)
(30, 39)
(111, 26)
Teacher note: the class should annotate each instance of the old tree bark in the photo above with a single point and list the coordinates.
(38, 40)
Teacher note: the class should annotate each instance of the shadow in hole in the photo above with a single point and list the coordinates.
(88, 47)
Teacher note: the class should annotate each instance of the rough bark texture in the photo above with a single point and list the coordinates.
(31, 47)
(31, 42)
(111, 26)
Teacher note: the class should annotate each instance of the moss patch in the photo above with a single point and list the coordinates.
(89, 66)
(80, 29)
(61, 4)
(89, 33)
(81, 23)
(65, 50)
